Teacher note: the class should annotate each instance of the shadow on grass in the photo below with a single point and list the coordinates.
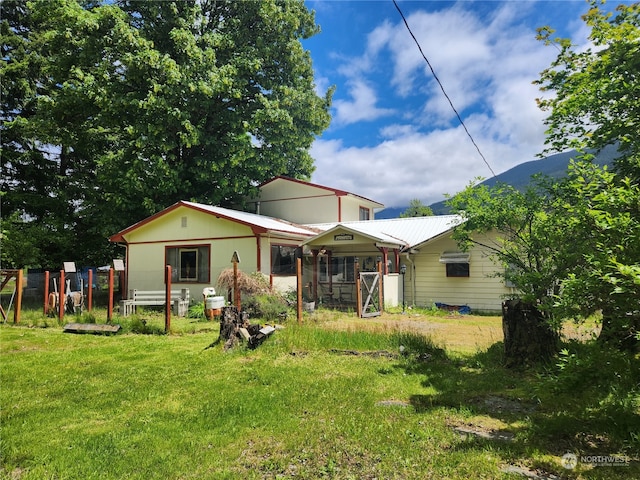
(588, 402)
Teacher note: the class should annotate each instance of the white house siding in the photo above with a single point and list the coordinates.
(480, 290)
(298, 202)
(306, 203)
(146, 251)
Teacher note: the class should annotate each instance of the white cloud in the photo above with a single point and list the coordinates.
(487, 66)
(361, 107)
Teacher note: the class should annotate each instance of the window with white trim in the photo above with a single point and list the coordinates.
(456, 263)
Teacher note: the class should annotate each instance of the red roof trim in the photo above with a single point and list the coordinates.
(119, 237)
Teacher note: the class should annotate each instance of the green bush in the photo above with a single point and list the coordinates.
(269, 307)
(196, 311)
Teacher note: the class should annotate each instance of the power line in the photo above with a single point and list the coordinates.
(442, 88)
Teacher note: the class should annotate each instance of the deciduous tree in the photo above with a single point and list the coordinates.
(595, 104)
(417, 209)
(123, 108)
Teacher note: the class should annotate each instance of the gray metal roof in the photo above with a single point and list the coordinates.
(262, 221)
(408, 232)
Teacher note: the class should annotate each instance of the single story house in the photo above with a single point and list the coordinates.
(198, 241)
(435, 270)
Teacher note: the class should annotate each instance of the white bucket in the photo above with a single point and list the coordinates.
(211, 303)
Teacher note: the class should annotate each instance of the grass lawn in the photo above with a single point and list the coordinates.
(403, 396)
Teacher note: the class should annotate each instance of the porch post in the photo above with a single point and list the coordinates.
(380, 269)
(358, 291)
(299, 290)
(330, 270)
(314, 293)
(385, 257)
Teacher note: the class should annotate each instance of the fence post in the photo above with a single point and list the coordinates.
(61, 296)
(46, 292)
(90, 290)
(110, 299)
(167, 307)
(17, 308)
(299, 289)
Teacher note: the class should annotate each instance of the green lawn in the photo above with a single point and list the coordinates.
(314, 401)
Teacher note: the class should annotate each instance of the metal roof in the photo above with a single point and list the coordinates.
(408, 232)
(262, 221)
(259, 222)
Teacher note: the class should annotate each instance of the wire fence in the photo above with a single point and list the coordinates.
(35, 283)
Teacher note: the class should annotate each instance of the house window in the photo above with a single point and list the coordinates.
(365, 213)
(342, 269)
(457, 269)
(189, 264)
(283, 259)
(456, 263)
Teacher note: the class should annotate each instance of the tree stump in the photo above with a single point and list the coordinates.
(230, 323)
(528, 337)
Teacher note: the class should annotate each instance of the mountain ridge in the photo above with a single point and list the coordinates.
(554, 166)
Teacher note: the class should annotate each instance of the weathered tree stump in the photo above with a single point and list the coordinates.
(235, 326)
(231, 322)
(528, 337)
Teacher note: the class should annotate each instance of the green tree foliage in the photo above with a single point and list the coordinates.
(514, 227)
(114, 110)
(601, 214)
(417, 209)
(594, 92)
(596, 104)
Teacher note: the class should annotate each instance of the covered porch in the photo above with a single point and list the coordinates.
(335, 261)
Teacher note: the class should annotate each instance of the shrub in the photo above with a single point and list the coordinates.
(270, 307)
(196, 311)
(255, 283)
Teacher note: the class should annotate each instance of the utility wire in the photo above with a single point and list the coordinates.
(442, 88)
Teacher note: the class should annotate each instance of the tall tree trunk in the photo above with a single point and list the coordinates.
(528, 338)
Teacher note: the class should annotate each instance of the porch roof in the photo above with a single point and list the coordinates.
(401, 232)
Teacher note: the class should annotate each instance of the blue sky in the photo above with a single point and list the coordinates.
(393, 135)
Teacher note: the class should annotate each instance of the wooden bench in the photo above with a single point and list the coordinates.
(156, 298)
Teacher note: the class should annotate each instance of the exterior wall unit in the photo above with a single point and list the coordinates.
(480, 290)
(392, 286)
